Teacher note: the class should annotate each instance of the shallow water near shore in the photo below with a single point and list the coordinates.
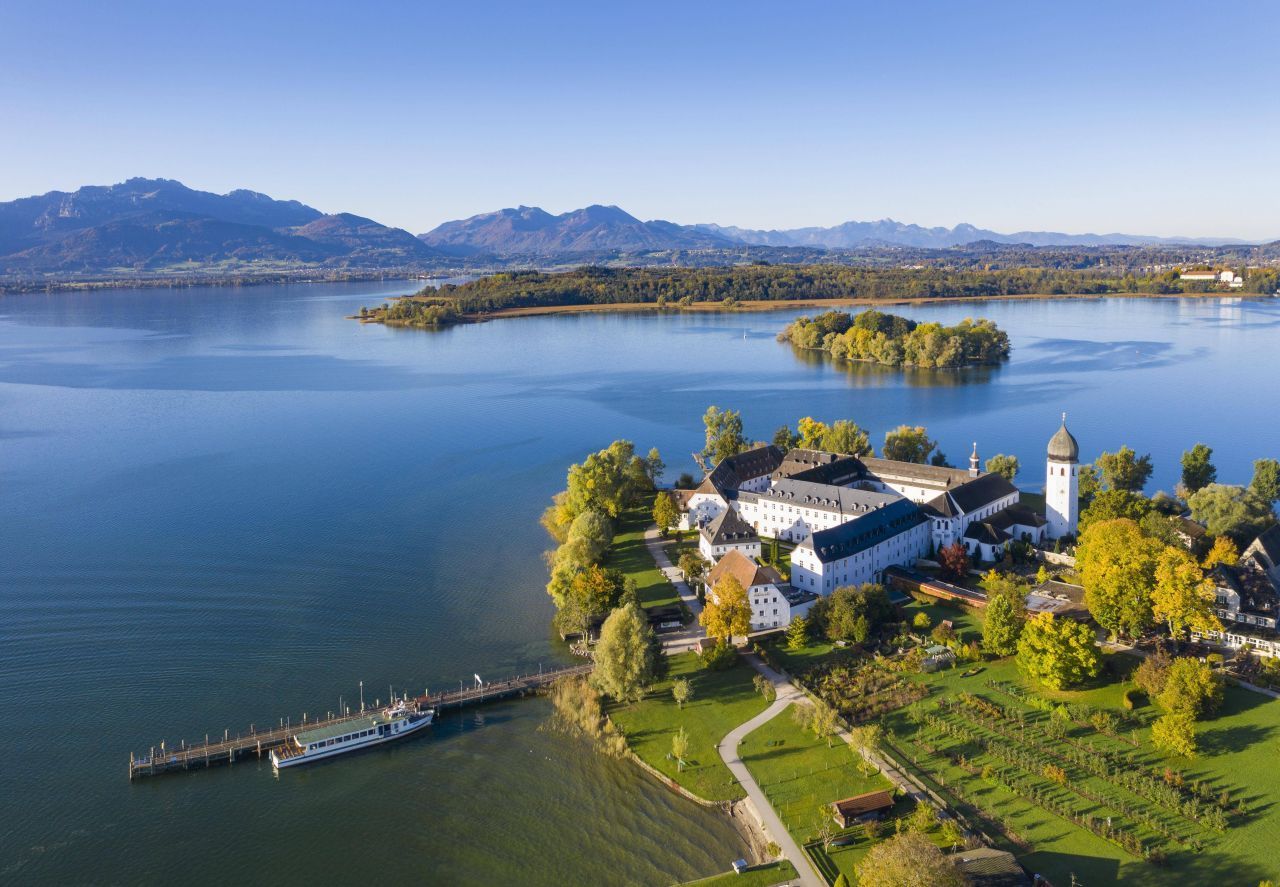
(219, 507)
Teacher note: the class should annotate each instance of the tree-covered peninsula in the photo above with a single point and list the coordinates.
(674, 288)
(897, 341)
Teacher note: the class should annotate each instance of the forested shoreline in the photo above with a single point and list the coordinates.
(678, 287)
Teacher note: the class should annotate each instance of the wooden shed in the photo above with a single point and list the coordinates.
(870, 805)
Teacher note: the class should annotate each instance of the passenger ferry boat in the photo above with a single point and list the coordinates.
(399, 719)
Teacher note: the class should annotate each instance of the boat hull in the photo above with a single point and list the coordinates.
(280, 763)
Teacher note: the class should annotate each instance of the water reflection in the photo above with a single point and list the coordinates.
(867, 374)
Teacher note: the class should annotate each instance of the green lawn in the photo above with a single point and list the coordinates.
(966, 621)
(799, 772)
(797, 661)
(1238, 753)
(678, 542)
(721, 701)
(630, 555)
(765, 875)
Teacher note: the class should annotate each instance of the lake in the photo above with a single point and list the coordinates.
(223, 506)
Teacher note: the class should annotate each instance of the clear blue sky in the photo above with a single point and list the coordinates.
(1160, 118)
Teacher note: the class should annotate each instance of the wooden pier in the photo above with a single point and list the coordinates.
(229, 749)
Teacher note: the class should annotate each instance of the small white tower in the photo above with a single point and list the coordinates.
(1062, 484)
(975, 466)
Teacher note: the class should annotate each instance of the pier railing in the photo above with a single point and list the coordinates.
(228, 748)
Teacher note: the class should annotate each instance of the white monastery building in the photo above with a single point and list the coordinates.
(853, 516)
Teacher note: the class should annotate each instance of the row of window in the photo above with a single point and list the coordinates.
(347, 738)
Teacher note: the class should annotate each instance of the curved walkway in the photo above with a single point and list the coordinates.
(728, 748)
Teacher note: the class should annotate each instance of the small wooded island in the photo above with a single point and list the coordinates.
(898, 341)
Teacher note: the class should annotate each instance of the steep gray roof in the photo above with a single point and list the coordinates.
(734, 471)
(924, 475)
(1268, 545)
(941, 505)
(1017, 515)
(729, 529)
(842, 500)
(984, 532)
(820, 467)
(865, 532)
(982, 490)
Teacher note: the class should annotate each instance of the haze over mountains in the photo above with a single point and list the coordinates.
(158, 226)
(152, 224)
(529, 230)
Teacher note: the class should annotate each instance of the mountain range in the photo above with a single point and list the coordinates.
(149, 225)
(159, 226)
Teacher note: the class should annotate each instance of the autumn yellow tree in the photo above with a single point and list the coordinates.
(1224, 551)
(1057, 652)
(665, 513)
(1117, 565)
(1182, 597)
(727, 611)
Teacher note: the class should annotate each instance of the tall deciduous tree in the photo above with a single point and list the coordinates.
(679, 747)
(1002, 464)
(1111, 504)
(954, 560)
(846, 437)
(1266, 480)
(654, 466)
(1182, 598)
(1090, 483)
(1197, 469)
(1191, 688)
(785, 439)
(1175, 734)
(1124, 470)
(1230, 510)
(1057, 652)
(665, 513)
(681, 691)
(624, 656)
(907, 860)
(810, 432)
(908, 443)
(725, 437)
(1117, 565)
(1005, 614)
(727, 612)
(1223, 551)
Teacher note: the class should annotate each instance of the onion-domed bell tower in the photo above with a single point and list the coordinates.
(1062, 484)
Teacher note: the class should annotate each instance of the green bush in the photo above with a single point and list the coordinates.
(719, 657)
(1127, 700)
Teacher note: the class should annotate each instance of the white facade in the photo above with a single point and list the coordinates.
(1062, 498)
(1062, 485)
(810, 573)
(770, 608)
(704, 508)
(713, 553)
(792, 520)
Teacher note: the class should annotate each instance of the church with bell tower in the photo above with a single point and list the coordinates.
(1062, 484)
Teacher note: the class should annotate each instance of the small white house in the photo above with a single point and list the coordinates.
(728, 532)
(773, 603)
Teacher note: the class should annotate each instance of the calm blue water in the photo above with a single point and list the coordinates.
(219, 507)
